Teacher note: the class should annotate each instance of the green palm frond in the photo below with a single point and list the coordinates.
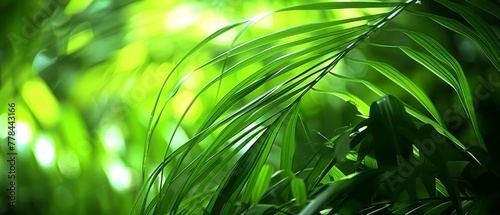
(262, 112)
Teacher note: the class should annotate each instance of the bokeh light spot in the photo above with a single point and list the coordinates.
(181, 17)
(118, 175)
(113, 140)
(44, 151)
(24, 133)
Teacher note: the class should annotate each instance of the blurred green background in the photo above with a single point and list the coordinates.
(85, 74)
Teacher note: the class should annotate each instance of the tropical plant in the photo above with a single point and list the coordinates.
(401, 157)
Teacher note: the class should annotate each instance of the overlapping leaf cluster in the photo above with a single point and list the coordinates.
(394, 151)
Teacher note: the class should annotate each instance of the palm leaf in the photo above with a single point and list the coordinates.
(350, 37)
(293, 61)
(465, 94)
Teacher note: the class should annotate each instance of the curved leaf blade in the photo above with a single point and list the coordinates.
(262, 183)
(404, 82)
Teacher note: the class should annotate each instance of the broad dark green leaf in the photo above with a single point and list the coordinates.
(365, 147)
(429, 183)
(436, 154)
(387, 117)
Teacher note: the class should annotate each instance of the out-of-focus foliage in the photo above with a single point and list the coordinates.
(85, 76)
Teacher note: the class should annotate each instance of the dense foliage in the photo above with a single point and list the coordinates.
(400, 159)
(308, 107)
